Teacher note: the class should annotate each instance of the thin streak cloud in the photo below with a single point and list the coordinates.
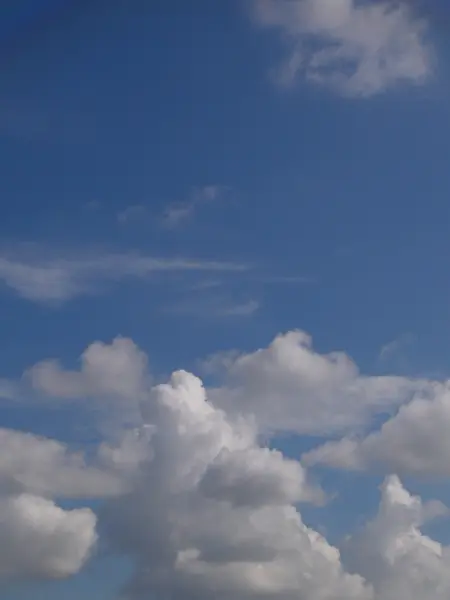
(57, 280)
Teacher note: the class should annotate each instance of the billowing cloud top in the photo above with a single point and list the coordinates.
(202, 507)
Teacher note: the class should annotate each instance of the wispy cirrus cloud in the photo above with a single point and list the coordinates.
(287, 279)
(243, 309)
(176, 214)
(59, 279)
(132, 213)
(214, 306)
(355, 48)
(179, 214)
(395, 347)
(8, 389)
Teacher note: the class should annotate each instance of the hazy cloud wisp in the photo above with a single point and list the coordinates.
(355, 48)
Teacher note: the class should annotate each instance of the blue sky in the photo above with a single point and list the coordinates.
(200, 177)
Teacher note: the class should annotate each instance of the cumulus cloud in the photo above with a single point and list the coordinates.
(415, 441)
(212, 513)
(394, 555)
(57, 280)
(44, 467)
(112, 380)
(192, 495)
(118, 369)
(289, 386)
(40, 539)
(358, 48)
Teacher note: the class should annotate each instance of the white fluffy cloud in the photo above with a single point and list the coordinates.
(192, 496)
(118, 369)
(212, 514)
(358, 48)
(394, 555)
(289, 386)
(113, 378)
(414, 442)
(39, 539)
(30, 464)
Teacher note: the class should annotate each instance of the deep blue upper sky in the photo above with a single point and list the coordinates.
(126, 103)
(106, 105)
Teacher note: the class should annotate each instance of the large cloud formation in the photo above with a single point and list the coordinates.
(191, 494)
(287, 386)
(213, 514)
(358, 48)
